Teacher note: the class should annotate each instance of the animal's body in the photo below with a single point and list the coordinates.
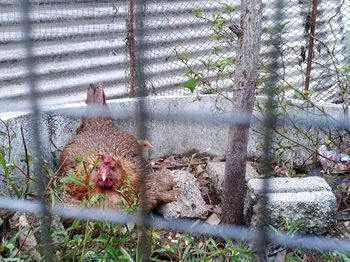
(111, 164)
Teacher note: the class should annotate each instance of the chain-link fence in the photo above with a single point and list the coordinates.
(88, 41)
(186, 46)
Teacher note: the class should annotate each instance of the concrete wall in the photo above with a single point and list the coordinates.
(166, 136)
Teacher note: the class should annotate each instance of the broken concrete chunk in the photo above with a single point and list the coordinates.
(307, 203)
(190, 202)
(216, 172)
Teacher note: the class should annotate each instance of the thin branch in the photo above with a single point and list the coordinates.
(25, 153)
(131, 46)
(311, 47)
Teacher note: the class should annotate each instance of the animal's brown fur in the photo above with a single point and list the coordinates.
(99, 134)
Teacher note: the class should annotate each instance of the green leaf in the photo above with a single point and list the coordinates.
(228, 8)
(344, 257)
(346, 68)
(217, 36)
(222, 63)
(310, 92)
(216, 48)
(8, 176)
(190, 84)
(298, 94)
(189, 72)
(219, 24)
(197, 12)
(113, 252)
(101, 239)
(184, 56)
(71, 179)
(155, 234)
(98, 197)
(78, 238)
(81, 158)
(2, 133)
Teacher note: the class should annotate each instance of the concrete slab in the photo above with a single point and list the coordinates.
(307, 203)
(216, 172)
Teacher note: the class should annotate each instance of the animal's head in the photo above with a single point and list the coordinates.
(144, 143)
(145, 146)
(107, 173)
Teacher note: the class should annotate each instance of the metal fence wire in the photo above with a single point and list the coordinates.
(86, 41)
(69, 45)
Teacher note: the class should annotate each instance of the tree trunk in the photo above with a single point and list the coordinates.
(245, 79)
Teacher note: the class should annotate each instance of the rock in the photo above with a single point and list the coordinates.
(26, 240)
(190, 203)
(213, 220)
(307, 203)
(216, 172)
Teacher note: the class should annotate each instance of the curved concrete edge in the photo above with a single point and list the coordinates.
(168, 137)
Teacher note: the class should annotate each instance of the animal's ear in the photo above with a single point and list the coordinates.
(96, 95)
(100, 98)
(90, 94)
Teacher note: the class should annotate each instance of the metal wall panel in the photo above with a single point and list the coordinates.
(85, 41)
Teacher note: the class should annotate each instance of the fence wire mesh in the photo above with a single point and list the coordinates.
(72, 45)
(86, 41)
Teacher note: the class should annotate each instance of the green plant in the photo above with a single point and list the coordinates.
(336, 256)
(208, 74)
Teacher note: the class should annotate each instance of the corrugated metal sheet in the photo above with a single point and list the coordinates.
(85, 41)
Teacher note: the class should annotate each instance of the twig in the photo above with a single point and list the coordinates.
(191, 160)
(311, 47)
(210, 203)
(131, 45)
(26, 154)
(55, 174)
(54, 145)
